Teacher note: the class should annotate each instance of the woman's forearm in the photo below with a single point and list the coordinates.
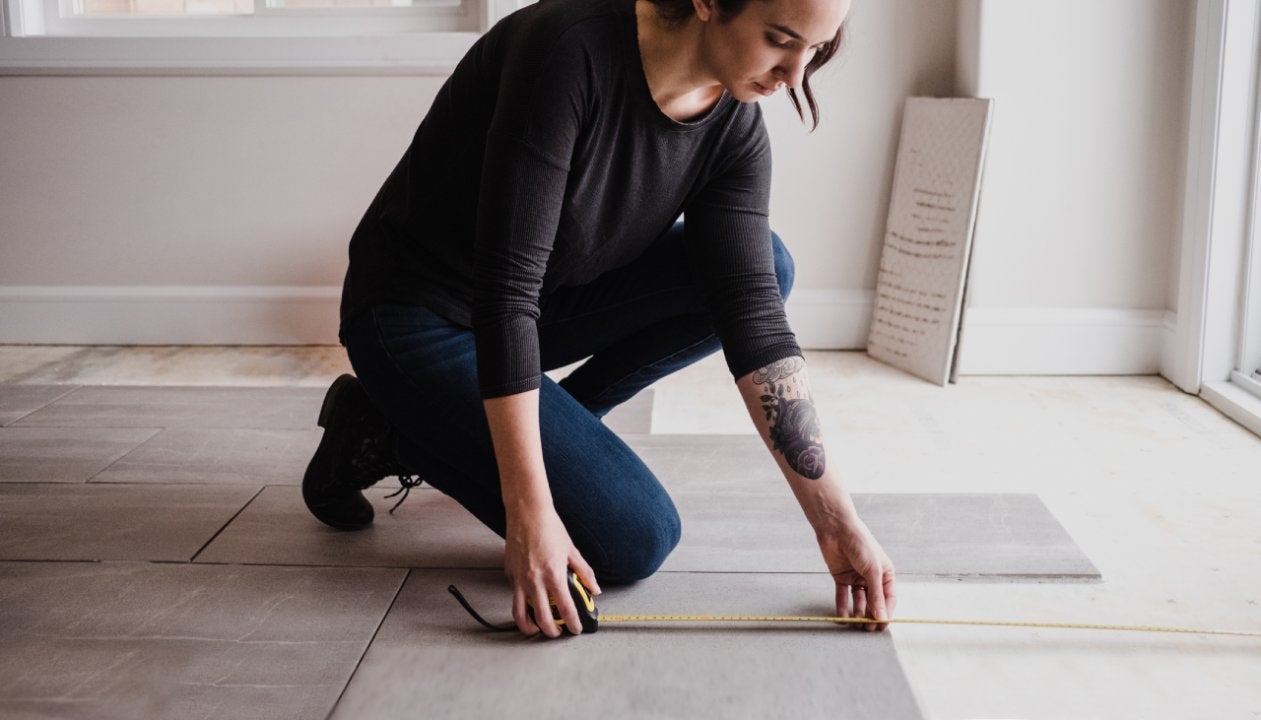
(514, 430)
(779, 402)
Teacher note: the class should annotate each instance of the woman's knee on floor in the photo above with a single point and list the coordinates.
(637, 548)
(785, 268)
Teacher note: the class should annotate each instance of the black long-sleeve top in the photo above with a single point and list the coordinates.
(544, 162)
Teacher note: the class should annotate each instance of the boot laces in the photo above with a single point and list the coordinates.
(375, 461)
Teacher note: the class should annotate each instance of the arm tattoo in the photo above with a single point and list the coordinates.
(794, 425)
(777, 370)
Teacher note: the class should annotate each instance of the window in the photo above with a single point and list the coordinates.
(241, 36)
(272, 18)
(1218, 334)
(1247, 372)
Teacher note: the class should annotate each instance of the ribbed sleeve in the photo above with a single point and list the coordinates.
(729, 235)
(538, 114)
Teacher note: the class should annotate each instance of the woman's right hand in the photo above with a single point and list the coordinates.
(537, 558)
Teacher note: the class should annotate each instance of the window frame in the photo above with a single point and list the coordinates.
(1220, 224)
(1247, 374)
(26, 49)
(428, 16)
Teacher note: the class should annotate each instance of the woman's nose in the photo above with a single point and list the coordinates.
(793, 71)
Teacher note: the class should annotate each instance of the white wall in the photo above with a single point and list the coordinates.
(1080, 209)
(217, 209)
(188, 209)
(830, 194)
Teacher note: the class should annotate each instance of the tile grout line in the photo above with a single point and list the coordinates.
(368, 646)
(232, 519)
(69, 389)
(124, 456)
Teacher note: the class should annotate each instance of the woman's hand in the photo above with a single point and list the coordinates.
(538, 552)
(865, 586)
(537, 559)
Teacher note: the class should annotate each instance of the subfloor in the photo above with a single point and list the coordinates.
(156, 562)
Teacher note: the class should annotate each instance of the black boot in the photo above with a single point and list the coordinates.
(356, 451)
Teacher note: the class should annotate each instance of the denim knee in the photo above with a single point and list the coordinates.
(638, 556)
(785, 268)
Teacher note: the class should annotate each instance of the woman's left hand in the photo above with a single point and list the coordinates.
(865, 585)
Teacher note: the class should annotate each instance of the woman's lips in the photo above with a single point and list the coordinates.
(762, 89)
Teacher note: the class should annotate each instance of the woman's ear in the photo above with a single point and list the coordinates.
(705, 9)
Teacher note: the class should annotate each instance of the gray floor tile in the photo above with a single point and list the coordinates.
(928, 536)
(139, 640)
(113, 522)
(429, 654)
(976, 536)
(709, 462)
(198, 407)
(70, 455)
(267, 456)
(225, 407)
(218, 456)
(739, 515)
(429, 530)
(18, 401)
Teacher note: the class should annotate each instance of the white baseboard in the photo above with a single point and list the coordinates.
(830, 319)
(153, 315)
(266, 315)
(1063, 341)
(1030, 341)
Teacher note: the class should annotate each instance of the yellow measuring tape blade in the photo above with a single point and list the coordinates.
(918, 621)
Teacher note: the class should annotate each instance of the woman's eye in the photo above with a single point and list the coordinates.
(777, 43)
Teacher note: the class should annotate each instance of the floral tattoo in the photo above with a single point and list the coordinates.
(794, 425)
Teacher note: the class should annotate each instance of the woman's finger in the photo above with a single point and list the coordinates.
(520, 615)
(890, 595)
(565, 605)
(844, 602)
(877, 597)
(584, 572)
(859, 595)
(543, 613)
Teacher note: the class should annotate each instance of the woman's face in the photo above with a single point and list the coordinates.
(769, 44)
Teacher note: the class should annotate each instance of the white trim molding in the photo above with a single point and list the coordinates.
(1216, 200)
(410, 54)
(1056, 341)
(1062, 341)
(206, 315)
(267, 315)
(1235, 403)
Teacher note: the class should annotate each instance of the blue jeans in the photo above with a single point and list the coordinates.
(633, 325)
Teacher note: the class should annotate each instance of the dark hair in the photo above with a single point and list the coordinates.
(680, 10)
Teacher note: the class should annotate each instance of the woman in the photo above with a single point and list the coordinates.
(534, 222)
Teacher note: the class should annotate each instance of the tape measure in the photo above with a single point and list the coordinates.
(592, 619)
